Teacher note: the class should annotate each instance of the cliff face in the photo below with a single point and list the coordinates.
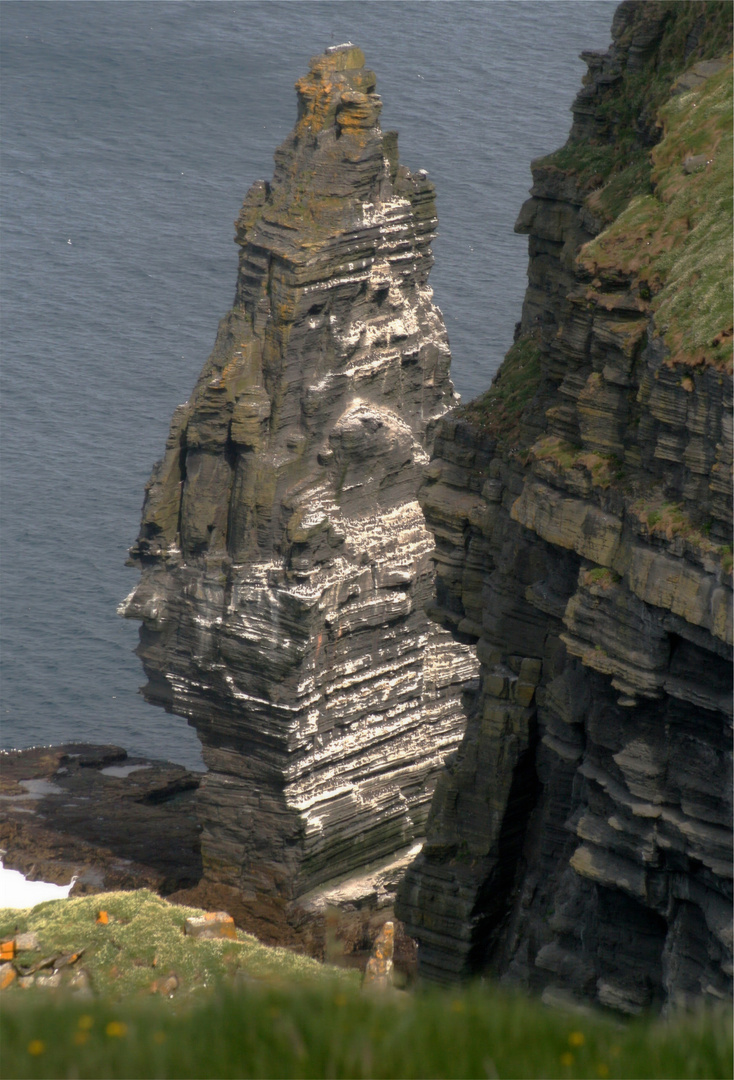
(284, 556)
(579, 842)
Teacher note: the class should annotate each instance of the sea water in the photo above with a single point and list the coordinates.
(131, 133)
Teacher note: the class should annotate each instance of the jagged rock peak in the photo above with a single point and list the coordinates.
(285, 560)
(337, 168)
(334, 264)
(338, 90)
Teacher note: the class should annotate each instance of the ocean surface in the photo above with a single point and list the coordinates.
(130, 134)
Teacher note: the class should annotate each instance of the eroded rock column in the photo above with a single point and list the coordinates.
(284, 557)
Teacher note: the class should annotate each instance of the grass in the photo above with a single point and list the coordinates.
(603, 578)
(144, 943)
(609, 178)
(498, 412)
(668, 521)
(322, 1030)
(244, 1010)
(616, 167)
(674, 235)
(677, 242)
(600, 469)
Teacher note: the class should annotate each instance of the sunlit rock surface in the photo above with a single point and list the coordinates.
(284, 556)
(580, 841)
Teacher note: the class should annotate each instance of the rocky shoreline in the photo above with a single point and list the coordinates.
(118, 822)
(122, 822)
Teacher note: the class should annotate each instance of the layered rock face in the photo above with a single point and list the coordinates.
(284, 556)
(580, 841)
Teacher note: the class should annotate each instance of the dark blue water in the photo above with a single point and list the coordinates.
(131, 133)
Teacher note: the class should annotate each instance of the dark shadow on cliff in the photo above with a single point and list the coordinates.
(494, 900)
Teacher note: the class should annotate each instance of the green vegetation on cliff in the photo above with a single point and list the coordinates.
(600, 469)
(667, 207)
(615, 165)
(677, 241)
(499, 410)
(143, 943)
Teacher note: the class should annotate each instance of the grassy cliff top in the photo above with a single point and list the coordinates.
(668, 211)
(143, 943)
(677, 240)
(615, 165)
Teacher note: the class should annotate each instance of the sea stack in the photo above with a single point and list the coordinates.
(285, 562)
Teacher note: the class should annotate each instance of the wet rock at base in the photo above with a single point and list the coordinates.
(118, 822)
(47, 839)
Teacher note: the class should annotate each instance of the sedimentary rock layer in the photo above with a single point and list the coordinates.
(284, 556)
(580, 841)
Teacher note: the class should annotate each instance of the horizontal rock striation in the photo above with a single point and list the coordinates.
(285, 559)
(580, 839)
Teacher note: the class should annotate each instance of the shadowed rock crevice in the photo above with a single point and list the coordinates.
(490, 912)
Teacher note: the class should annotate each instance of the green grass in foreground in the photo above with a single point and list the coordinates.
(325, 1030)
(241, 1009)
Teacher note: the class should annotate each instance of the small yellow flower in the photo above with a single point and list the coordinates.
(159, 1037)
(458, 1006)
(576, 1038)
(566, 1058)
(602, 1070)
(340, 999)
(116, 1029)
(80, 1037)
(36, 1047)
(85, 1022)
